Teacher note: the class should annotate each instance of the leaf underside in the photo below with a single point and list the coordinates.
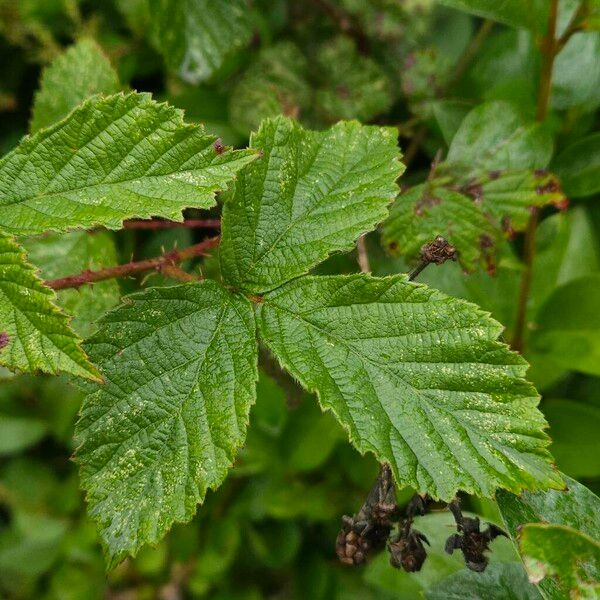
(35, 335)
(112, 158)
(180, 365)
(310, 194)
(416, 377)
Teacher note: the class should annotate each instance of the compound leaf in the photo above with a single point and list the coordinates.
(567, 556)
(34, 334)
(82, 71)
(417, 377)
(110, 159)
(198, 37)
(310, 194)
(180, 365)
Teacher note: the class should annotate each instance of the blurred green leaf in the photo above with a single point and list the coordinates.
(576, 74)
(570, 558)
(494, 136)
(82, 71)
(310, 437)
(531, 14)
(567, 327)
(19, 433)
(353, 86)
(578, 167)
(198, 37)
(500, 581)
(276, 83)
(574, 428)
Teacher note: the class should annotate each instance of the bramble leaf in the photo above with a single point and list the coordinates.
(500, 581)
(61, 254)
(576, 508)
(34, 333)
(82, 71)
(310, 194)
(354, 86)
(180, 365)
(530, 14)
(423, 212)
(197, 37)
(494, 137)
(567, 556)
(110, 159)
(276, 83)
(417, 377)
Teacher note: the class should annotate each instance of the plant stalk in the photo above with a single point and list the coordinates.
(164, 263)
(550, 49)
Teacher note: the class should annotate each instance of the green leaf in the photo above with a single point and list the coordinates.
(18, 433)
(574, 428)
(576, 74)
(180, 369)
(578, 167)
(416, 377)
(58, 255)
(111, 159)
(198, 37)
(576, 507)
(34, 334)
(500, 581)
(494, 136)
(310, 194)
(509, 196)
(474, 224)
(82, 71)
(568, 326)
(276, 83)
(355, 87)
(425, 211)
(569, 557)
(530, 14)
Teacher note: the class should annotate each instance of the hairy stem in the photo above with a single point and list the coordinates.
(164, 263)
(550, 49)
(154, 224)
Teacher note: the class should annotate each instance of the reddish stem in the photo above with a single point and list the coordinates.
(158, 263)
(157, 224)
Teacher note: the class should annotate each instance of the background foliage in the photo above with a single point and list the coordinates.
(462, 92)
